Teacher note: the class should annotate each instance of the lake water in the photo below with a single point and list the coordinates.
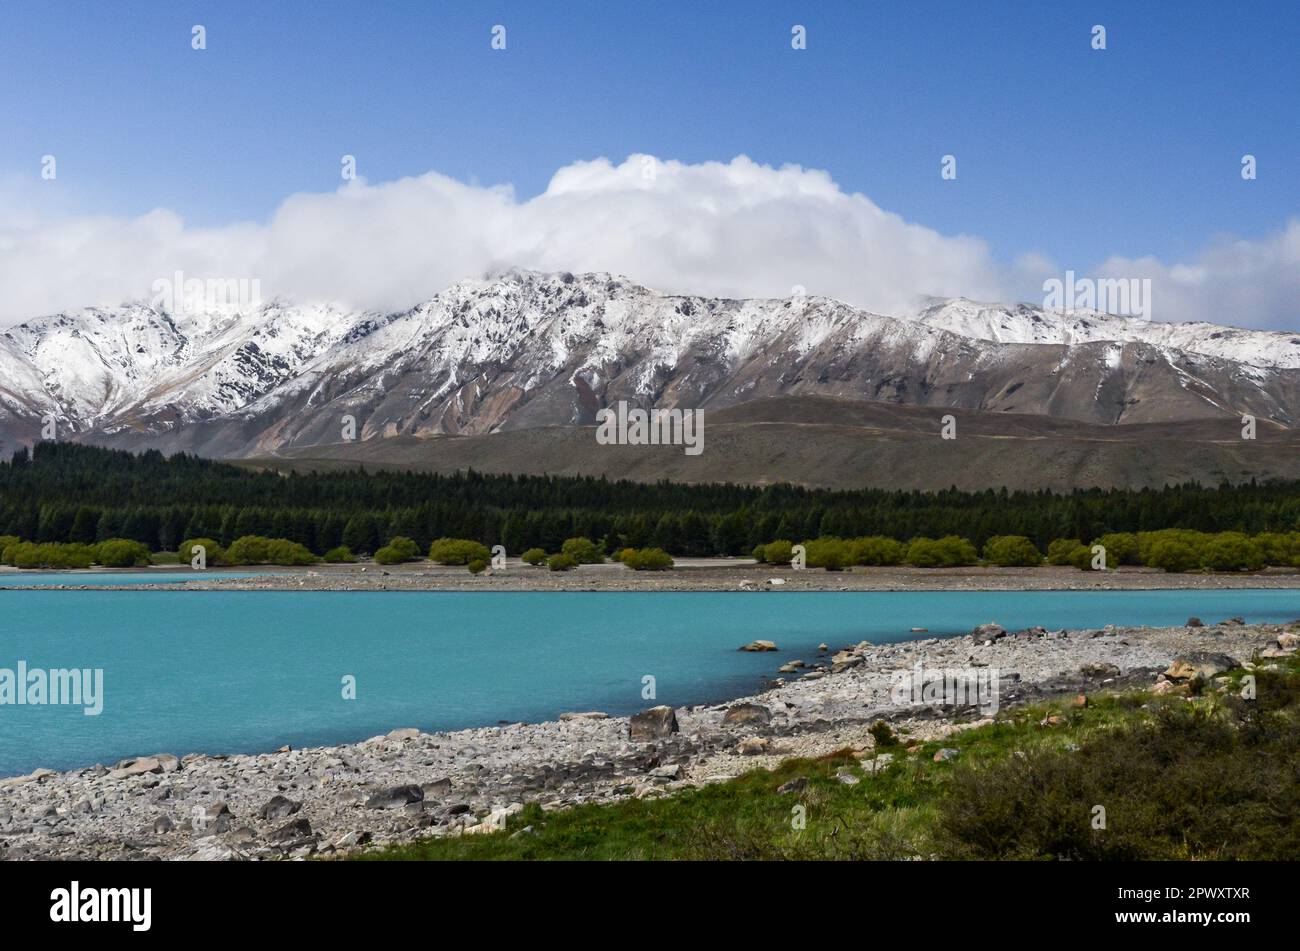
(223, 671)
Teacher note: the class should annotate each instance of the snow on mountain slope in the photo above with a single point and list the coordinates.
(1025, 323)
(522, 349)
(90, 367)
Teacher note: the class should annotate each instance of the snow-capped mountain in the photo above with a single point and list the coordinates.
(1023, 323)
(522, 350)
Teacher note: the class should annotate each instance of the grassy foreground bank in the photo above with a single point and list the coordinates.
(1211, 774)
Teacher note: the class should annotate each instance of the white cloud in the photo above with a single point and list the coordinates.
(734, 229)
(1234, 282)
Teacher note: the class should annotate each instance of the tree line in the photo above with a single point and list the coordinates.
(65, 492)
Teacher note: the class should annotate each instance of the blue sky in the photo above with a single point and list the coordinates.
(1073, 153)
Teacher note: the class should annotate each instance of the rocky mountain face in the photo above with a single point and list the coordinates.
(524, 350)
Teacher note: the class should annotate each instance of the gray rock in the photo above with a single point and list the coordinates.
(395, 797)
(212, 820)
(292, 831)
(1200, 665)
(657, 723)
(136, 767)
(745, 714)
(1099, 670)
(279, 807)
(437, 789)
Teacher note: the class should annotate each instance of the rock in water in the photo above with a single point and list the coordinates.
(657, 723)
(759, 646)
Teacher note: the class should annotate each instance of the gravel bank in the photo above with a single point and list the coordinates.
(300, 803)
(692, 575)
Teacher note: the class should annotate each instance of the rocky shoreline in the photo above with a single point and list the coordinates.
(690, 575)
(406, 784)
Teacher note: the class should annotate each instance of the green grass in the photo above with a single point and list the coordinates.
(1213, 777)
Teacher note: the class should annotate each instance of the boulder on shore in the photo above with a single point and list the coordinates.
(394, 797)
(657, 723)
(744, 714)
(279, 807)
(1199, 665)
(988, 632)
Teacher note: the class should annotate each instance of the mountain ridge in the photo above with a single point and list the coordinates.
(523, 350)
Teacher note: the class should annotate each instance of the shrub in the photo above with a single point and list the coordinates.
(248, 550)
(122, 553)
(282, 551)
(458, 551)
(883, 734)
(1082, 558)
(876, 550)
(257, 550)
(477, 566)
(1232, 551)
(214, 556)
(1014, 551)
(562, 562)
(947, 552)
(1172, 555)
(405, 547)
(1121, 549)
(584, 551)
(779, 552)
(647, 559)
(758, 554)
(399, 550)
(51, 555)
(534, 556)
(1061, 551)
(341, 555)
(1186, 784)
(827, 552)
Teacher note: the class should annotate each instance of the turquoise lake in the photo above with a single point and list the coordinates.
(227, 672)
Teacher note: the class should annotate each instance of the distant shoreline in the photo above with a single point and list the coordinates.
(703, 574)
